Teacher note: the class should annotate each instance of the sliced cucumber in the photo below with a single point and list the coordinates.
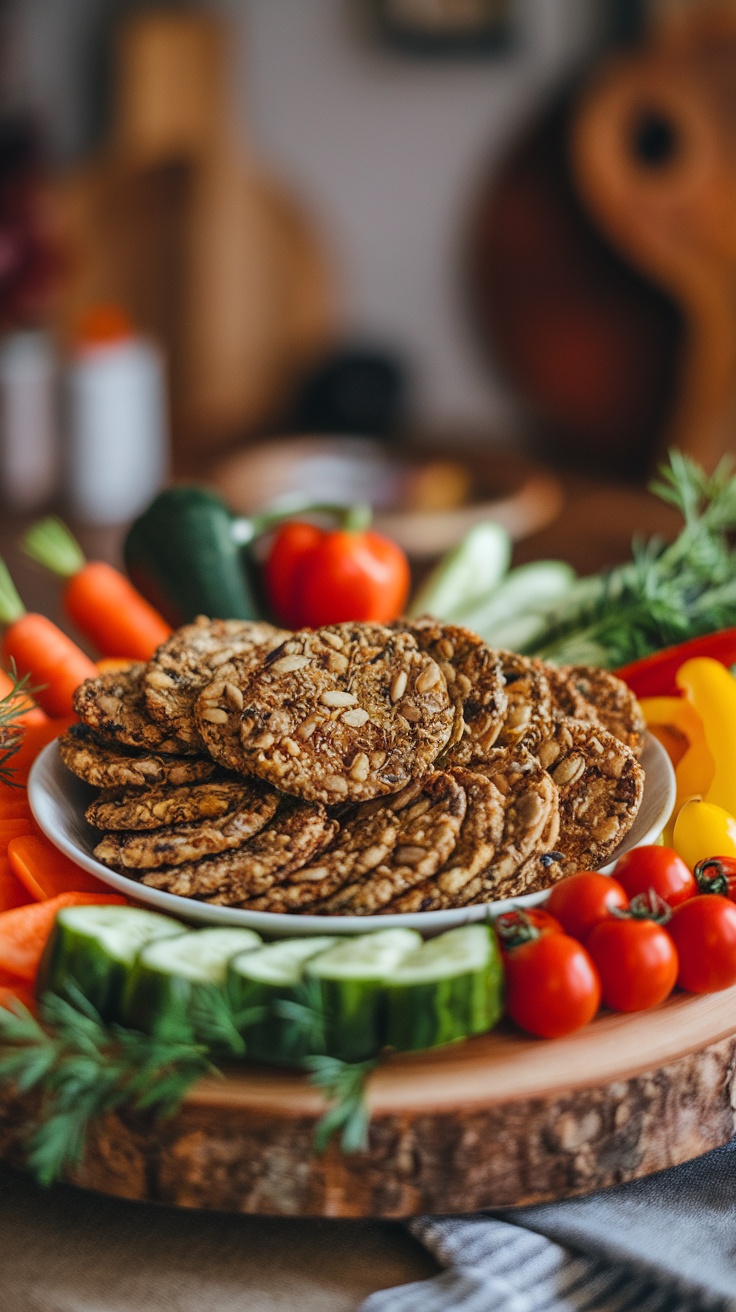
(351, 979)
(449, 988)
(466, 574)
(273, 974)
(95, 947)
(523, 591)
(163, 983)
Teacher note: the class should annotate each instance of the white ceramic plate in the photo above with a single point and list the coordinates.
(58, 800)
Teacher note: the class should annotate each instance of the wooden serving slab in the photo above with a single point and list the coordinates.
(492, 1122)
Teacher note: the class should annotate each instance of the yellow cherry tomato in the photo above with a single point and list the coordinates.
(702, 830)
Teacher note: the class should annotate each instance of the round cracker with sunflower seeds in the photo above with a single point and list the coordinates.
(113, 705)
(529, 713)
(530, 818)
(162, 806)
(187, 662)
(480, 835)
(365, 839)
(615, 705)
(179, 843)
(298, 832)
(106, 766)
(345, 713)
(475, 683)
(600, 784)
(429, 829)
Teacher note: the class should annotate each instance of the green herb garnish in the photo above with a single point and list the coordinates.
(667, 592)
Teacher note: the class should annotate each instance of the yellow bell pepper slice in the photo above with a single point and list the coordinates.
(674, 723)
(711, 690)
(703, 830)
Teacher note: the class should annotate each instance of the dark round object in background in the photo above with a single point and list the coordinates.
(353, 391)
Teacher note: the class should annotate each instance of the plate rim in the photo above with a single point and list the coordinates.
(277, 924)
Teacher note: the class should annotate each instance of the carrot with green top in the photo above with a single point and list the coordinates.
(102, 603)
(38, 649)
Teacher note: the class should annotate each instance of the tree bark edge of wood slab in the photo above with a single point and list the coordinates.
(511, 1153)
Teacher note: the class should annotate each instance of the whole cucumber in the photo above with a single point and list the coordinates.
(182, 554)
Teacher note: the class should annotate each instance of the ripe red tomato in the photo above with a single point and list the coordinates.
(659, 868)
(581, 900)
(717, 875)
(704, 933)
(552, 986)
(523, 923)
(636, 960)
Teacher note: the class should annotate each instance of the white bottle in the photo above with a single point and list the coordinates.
(28, 420)
(116, 447)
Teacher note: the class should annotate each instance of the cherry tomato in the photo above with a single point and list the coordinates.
(704, 933)
(522, 924)
(552, 986)
(717, 875)
(636, 960)
(582, 899)
(659, 868)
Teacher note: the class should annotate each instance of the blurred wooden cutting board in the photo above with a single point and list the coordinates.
(176, 223)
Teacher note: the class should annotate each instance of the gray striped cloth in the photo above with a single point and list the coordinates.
(663, 1244)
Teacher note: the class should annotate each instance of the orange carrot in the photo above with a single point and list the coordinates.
(14, 803)
(35, 739)
(29, 713)
(13, 894)
(24, 930)
(45, 872)
(10, 829)
(97, 598)
(55, 664)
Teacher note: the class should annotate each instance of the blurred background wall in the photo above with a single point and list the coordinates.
(384, 149)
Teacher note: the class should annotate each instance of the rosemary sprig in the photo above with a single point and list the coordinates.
(83, 1068)
(14, 704)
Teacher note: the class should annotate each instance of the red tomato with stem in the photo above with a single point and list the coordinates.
(522, 924)
(552, 986)
(658, 868)
(704, 933)
(291, 543)
(582, 899)
(635, 956)
(717, 875)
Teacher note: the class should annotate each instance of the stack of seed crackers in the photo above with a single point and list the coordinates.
(356, 769)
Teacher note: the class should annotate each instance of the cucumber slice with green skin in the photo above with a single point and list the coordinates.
(450, 988)
(163, 983)
(272, 974)
(466, 575)
(352, 988)
(94, 947)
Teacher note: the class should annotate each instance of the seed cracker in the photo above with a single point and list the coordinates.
(345, 713)
(480, 835)
(105, 765)
(296, 834)
(112, 705)
(162, 806)
(180, 843)
(600, 783)
(187, 661)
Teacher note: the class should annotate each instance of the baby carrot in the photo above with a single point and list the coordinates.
(103, 604)
(55, 665)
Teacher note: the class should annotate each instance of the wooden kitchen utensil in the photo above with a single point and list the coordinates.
(181, 227)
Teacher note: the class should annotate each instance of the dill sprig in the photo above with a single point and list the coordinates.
(83, 1068)
(668, 592)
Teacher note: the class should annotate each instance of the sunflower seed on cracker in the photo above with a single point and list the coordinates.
(112, 705)
(162, 806)
(106, 765)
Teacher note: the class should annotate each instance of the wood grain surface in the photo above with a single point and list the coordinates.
(494, 1122)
